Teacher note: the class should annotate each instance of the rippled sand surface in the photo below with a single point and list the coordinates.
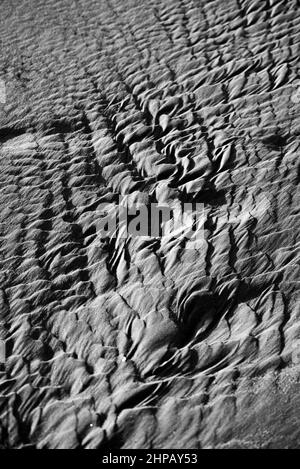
(143, 342)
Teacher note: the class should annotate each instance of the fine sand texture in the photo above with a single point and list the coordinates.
(146, 341)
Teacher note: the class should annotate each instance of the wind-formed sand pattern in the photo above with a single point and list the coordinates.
(149, 341)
